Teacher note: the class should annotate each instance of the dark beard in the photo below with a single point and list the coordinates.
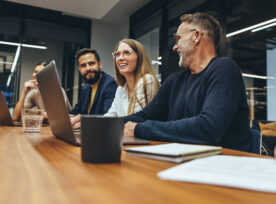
(93, 80)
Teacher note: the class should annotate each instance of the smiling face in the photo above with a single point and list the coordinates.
(126, 60)
(184, 45)
(89, 68)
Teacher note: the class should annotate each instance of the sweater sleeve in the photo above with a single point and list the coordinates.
(224, 87)
(76, 109)
(29, 102)
(157, 109)
(151, 90)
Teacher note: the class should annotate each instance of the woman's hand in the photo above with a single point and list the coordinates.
(28, 86)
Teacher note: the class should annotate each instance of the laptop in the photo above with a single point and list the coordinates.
(53, 100)
(5, 116)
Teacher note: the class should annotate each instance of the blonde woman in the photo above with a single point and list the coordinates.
(137, 84)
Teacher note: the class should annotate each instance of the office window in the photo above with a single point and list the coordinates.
(27, 37)
(254, 51)
(150, 41)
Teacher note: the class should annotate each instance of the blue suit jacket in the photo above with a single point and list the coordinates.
(103, 98)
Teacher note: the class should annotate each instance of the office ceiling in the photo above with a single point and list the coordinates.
(250, 49)
(113, 11)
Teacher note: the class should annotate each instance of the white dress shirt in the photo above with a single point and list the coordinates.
(120, 103)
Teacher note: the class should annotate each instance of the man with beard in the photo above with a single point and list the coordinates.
(204, 104)
(97, 95)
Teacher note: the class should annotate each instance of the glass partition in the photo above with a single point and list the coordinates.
(150, 41)
(25, 42)
(9, 57)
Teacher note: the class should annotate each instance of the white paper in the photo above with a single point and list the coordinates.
(241, 172)
(172, 149)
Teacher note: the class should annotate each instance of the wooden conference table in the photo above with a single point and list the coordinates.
(38, 168)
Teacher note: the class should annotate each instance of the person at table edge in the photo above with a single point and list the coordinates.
(206, 102)
(97, 95)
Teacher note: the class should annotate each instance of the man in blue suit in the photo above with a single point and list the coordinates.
(97, 95)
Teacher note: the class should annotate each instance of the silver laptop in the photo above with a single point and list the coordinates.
(5, 116)
(53, 100)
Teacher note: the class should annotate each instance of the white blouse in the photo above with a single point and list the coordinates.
(120, 103)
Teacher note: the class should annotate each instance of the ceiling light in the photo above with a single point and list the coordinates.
(257, 76)
(156, 62)
(34, 46)
(250, 27)
(263, 27)
(23, 45)
(9, 43)
(14, 64)
(15, 59)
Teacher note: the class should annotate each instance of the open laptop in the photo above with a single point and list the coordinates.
(53, 100)
(5, 116)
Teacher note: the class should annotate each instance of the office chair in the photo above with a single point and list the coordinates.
(256, 141)
(267, 142)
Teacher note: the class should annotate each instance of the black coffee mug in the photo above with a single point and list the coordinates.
(101, 139)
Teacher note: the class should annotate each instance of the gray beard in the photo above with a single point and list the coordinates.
(184, 61)
(187, 50)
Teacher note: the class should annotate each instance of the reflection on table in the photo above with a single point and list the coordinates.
(38, 168)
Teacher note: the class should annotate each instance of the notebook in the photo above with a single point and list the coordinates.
(5, 116)
(174, 152)
(53, 100)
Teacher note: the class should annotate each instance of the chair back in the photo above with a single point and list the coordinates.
(256, 141)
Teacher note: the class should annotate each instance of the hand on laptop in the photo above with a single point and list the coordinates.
(75, 120)
(77, 126)
(129, 129)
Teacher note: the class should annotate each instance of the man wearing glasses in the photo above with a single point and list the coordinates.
(97, 95)
(204, 104)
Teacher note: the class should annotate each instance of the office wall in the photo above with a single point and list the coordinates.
(75, 87)
(271, 84)
(104, 37)
(30, 57)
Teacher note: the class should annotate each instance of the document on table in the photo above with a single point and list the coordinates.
(174, 152)
(251, 173)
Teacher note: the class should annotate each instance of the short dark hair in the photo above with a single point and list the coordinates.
(85, 51)
(44, 63)
(207, 23)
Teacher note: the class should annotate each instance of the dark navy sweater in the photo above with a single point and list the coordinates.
(205, 108)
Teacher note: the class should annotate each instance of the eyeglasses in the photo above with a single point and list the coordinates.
(177, 37)
(124, 53)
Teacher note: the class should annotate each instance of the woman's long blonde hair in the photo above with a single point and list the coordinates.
(143, 67)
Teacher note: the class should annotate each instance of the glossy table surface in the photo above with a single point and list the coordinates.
(38, 168)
